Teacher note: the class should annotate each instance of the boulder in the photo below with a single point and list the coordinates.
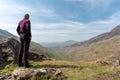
(36, 56)
(5, 77)
(9, 48)
(37, 74)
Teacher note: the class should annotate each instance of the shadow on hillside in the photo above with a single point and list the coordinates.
(59, 66)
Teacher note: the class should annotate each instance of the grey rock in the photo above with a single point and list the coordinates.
(27, 73)
(9, 48)
(5, 77)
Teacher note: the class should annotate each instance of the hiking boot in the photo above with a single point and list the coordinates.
(20, 65)
(28, 66)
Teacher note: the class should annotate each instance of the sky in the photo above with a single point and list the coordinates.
(61, 20)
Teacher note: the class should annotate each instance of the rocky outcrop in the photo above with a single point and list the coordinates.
(36, 56)
(34, 74)
(37, 74)
(9, 48)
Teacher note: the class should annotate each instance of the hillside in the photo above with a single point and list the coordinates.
(105, 36)
(5, 34)
(37, 48)
(58, 44)
(34, 47)
(104, 46)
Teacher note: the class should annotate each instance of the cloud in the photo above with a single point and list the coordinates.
(62, 30)
(66, 30)
(94, 3)
(75, 0)
(10, 27)
(111, 21)
(102, 26)
(11, 12)
(11, 8)
(99, 3)
(59, 25)
(20, 9)
(78, 30)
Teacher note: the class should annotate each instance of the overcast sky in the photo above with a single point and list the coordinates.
(61, 20)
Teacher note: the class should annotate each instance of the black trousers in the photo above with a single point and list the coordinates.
(24, 47)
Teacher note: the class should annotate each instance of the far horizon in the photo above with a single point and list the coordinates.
(60, 41)
(60, 21)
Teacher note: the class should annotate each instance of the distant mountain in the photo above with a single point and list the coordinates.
(102, 37)
(58, 44)
(104, 46)
(5, 34)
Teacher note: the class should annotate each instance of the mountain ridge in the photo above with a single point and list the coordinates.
(103, 46)
(58, 44)
(5, 34)
(114, 32)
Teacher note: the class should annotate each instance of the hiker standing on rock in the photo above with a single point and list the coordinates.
(24, 31)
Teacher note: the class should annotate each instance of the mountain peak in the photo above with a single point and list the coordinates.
(115, 31)
(71, 41)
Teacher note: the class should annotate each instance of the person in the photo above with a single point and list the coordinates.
(24, 32)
